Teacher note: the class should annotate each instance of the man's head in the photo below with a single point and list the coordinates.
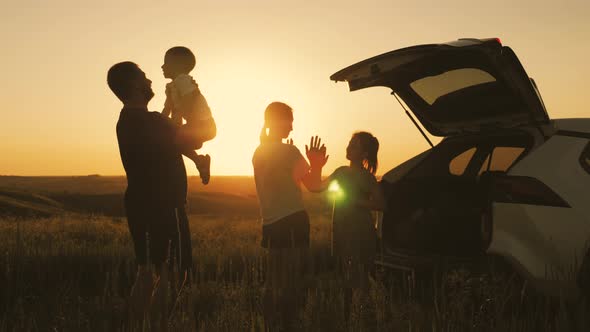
(129, 83)
(178, 60)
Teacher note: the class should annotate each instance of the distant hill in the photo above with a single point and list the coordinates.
(97, 184)
(15, 203)
(48, 196)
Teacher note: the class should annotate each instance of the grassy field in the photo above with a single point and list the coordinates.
(71, 268)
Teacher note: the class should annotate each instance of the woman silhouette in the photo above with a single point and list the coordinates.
(279, 170)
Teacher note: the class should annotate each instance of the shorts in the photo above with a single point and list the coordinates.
(291, 231)
(159, 234)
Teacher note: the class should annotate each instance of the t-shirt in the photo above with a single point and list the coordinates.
(154, 166)
(354, 184)
(182, 85)
(278, 171)
(354, 230)
(179, 88)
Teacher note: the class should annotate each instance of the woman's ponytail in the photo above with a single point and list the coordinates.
(263, 134)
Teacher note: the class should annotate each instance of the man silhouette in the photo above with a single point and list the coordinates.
(156, 185)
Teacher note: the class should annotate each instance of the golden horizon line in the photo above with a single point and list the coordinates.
(123, 175)
(107, 175)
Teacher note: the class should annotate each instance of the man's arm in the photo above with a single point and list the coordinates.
(166, 135)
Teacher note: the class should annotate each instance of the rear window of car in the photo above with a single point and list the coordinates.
(502, 158)
(433, 87)
(585, 158)
(458, 165)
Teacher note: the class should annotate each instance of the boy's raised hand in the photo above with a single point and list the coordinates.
(316, 153)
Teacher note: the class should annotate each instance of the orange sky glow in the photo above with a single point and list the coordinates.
(58, 115)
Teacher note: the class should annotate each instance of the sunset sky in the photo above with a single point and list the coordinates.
(59, 117)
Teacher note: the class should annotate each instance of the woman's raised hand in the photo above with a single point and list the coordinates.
(316, 153)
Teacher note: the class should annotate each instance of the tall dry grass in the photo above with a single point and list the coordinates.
(75, 272)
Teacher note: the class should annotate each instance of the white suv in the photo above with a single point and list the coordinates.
(506, 179)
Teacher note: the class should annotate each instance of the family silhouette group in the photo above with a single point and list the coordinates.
(151, 145)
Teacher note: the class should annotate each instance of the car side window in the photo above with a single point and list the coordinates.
(458, 165)
(502, 158)
(585, 158)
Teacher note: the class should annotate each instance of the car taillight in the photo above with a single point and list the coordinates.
(499, 41)
(525, 190)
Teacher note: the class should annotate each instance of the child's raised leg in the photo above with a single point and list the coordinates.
(203, 163)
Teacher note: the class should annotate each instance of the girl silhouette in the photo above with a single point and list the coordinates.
(356, 194)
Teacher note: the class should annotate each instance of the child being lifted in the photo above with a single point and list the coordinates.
(185, 101)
